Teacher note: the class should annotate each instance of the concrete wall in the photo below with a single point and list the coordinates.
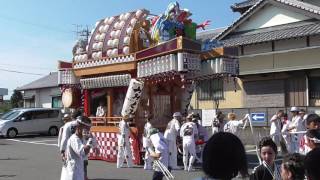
(233, 97)
(267, 93)
(271, 16)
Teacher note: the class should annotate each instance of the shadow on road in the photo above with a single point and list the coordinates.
(33, 136)
(11, 159)
(7, 176)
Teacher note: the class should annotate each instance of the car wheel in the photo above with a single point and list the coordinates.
(53, 131)
(12, 133)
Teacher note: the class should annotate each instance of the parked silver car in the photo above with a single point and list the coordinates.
(30, 121)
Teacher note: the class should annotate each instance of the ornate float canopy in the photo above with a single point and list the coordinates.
(144, 46)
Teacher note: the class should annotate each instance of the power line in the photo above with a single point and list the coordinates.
(20, 72)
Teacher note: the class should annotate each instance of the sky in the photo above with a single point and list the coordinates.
(35, 34)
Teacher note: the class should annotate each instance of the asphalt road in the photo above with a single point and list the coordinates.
(37, 158)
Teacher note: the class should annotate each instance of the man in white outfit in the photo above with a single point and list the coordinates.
(124, 146)
(66, 132)
(101, 110)
(159, 153)
(189, 133)
(275, 129)
(295, 126)
(76, 151)
(66, 118)
(147, 145)
(170, 134)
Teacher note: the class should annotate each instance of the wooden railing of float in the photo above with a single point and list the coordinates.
(105, 121)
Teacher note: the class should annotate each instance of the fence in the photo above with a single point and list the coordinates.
(260, 130)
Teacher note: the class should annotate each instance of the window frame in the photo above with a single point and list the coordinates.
(207, 89)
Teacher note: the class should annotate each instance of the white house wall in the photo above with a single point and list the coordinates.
(270, 16)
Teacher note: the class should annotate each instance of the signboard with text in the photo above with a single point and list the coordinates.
(207, 116)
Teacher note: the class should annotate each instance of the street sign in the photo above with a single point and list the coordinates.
(258, 117)
(208, 116)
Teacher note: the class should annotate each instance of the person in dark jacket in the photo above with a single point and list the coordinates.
(268, 170)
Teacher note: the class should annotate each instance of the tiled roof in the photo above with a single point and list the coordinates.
(286, 31)
(209, 34)
(244, 4)
(50, 80)
(292, 3)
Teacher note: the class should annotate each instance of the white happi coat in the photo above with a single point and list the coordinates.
(287, 136)
(232, 126)
(296, 122)
(147, 144)
(75, 156)
(66, 134)
(170, 134)
(161, 147)
(188, 132)
(124, 146)
(275, 129)
(172, 130)
(101, 111)
(94, 143)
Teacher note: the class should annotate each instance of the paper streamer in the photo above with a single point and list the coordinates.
(133, 97)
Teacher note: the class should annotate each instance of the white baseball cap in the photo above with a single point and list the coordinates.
(177, 114)
(294, 109)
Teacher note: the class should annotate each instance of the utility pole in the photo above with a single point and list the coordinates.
(82, 33)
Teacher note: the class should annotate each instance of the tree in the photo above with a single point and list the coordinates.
(16, 99)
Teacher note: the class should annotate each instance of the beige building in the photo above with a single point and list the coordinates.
(278, 44)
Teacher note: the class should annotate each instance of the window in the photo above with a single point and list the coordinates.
(27, 115)
(211, 89)
(29, 103)
(53, 114)
(56, 102)
(314, 87)
(40, 114)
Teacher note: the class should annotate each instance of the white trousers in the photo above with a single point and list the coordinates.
(172, 153)
(124, 153)
(189, 147)
(215, 130)
(147, 160)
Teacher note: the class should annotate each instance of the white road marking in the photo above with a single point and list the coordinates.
(30, 142)
(253, 150)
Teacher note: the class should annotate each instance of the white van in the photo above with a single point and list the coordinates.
(30, 121)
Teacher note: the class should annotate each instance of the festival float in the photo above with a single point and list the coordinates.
(142, 66)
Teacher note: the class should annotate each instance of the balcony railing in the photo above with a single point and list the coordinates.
(105, 121)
